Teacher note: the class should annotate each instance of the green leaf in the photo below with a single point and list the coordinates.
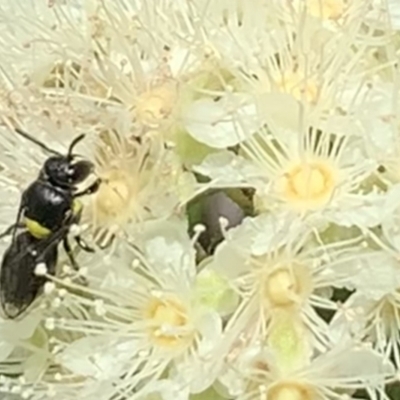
(209, 394)
(190, 150)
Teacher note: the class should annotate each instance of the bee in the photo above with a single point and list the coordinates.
(48, 209)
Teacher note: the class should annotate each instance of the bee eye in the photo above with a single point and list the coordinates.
(81, 170)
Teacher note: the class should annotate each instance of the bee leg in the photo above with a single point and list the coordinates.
(10, 230)
(93, 188)
(83, 245)
(75, 266)
(67, 248)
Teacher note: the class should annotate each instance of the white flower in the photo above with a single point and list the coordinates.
(374, 319)
(140, 182)
(76, 52)
(221, 123)
(291, 105)
(34, 29)
(151, 320)
(258, 375)
(314, 175)
(32, 369)
(280, 274)
(13, 333)
(373, 310)
(307, 56)
(247, 32)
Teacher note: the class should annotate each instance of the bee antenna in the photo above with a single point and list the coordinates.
(36, 141)
(73, 144)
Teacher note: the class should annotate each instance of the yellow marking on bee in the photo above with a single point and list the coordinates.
(35, 229)
(76, 207)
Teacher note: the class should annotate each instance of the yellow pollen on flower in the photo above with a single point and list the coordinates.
(166, 317)
(114, 194)
(308, 185)
(119, 165)
(285, 286)
(156, 105)
(298, 86)
(290, 391)
(280, 287)
(326, 9)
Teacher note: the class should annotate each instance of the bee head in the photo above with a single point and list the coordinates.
(65, 172)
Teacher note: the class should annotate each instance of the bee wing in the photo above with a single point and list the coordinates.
(12, 230)
(19, 285)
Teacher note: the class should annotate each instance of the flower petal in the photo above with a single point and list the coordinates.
(100, 358)
(222, 123)
(228, 169)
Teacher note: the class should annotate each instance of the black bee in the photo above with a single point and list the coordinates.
(48, 209)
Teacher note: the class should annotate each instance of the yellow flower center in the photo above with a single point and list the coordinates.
(299, 87)
(284, 285)
(114, 204)
(117, 202)
(326, 9)
(290, 391)
(167, 319)
(308, 182)
(114, 194)
(281, 287)
(156, 105)
(308, 185)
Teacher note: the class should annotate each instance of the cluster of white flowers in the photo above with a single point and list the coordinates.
(247, 227)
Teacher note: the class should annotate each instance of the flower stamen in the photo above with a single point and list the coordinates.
(168, 320)
(307, 185)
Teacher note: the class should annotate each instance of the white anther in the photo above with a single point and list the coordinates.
(135, 263)
(49, 287)
(199, 228)
(66, 269)
(41, 269)
(50, 324)
(56, 303)
(99, 307)
(224, 222)
(75, 230)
